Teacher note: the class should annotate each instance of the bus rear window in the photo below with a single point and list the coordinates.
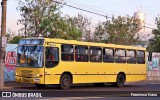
(140, 57)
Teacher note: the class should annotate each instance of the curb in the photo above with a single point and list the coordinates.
(6, 87)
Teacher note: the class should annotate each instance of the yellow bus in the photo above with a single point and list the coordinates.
(44, 61)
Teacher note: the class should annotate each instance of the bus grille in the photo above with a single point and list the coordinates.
(26, 80)
(26, 73)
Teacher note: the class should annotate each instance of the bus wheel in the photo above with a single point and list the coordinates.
(120, 80)
(40, 85)
(65, 82)
(98, 84)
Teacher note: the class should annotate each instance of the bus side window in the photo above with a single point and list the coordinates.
(140, 57)
(52, 56)
(95, 54)
(120, 56)
(108, 55)
(131, 56)
(67, 52)
(81, 53)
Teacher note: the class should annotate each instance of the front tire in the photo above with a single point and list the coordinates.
(65, 82)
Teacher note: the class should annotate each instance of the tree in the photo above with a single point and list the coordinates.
(15, 40)
(154, 44)
(121, 30)
(44, 17)
(83, 24)
(10, 34)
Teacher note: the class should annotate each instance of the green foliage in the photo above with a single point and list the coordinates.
(121, 30)
(83, 24)
(154, 44)
(10, 34)
(44, 17)
(15, 40)
(41, 17)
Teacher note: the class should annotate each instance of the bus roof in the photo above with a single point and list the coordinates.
(63, 41)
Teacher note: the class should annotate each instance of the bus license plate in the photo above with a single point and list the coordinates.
(26, 80)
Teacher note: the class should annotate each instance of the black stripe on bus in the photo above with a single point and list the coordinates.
(47, 74)
(103, 74)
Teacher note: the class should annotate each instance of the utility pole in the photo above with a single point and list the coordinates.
(3, 42)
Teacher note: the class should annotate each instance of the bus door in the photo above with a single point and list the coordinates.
(51, 61)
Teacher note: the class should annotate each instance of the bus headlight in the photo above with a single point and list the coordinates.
(16, 74)
(39, 75)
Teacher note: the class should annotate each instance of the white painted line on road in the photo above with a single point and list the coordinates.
(72, 98)
(153, 83)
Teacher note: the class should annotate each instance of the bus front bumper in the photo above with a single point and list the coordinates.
(29, 80)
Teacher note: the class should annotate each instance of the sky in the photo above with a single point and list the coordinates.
(106, 7)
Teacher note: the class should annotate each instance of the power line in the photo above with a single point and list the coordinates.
(90, 6)
(150, 27)
(92, 12)
(82, 9)
(89, 11)
(143, 7)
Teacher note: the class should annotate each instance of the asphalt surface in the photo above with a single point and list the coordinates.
(148, 90)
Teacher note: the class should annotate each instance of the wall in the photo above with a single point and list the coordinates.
(153, 67)
(10, 62)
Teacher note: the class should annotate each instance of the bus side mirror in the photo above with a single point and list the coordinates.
(150, 56)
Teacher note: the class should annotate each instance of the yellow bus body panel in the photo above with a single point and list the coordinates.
(84, 72)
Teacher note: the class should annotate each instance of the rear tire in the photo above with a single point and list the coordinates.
(120, 81)
(65, 82)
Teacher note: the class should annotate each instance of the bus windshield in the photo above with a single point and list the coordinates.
(30, 56)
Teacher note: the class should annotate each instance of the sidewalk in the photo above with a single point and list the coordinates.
(145, 82)
(13, 84)
(16, 84)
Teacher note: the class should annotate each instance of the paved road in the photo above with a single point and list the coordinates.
(90, 92)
